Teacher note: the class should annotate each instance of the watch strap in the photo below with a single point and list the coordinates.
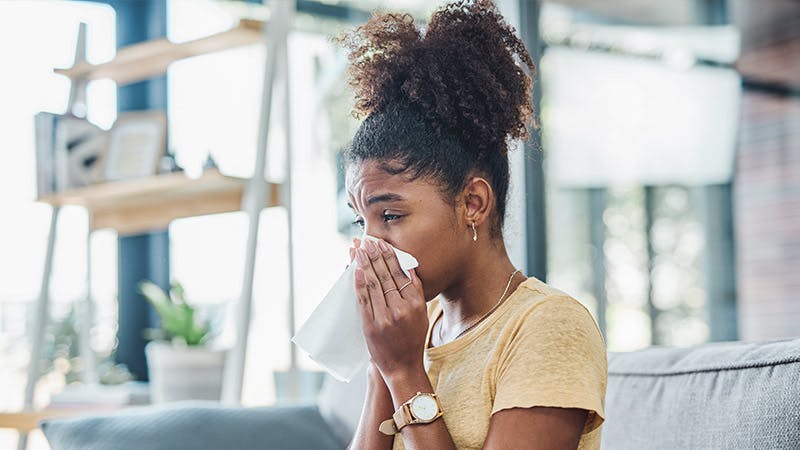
(403, 417)
(388, 427)
(400, 419)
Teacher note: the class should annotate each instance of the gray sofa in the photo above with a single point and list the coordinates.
(733, 395)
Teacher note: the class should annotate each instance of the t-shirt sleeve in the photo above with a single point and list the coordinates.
(555, 357)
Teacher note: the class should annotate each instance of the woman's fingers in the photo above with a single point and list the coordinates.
(373, 286)
(364, 303)
(356, 245)
(399, 277)
(394, 327)
(416, 285)
(376, 255)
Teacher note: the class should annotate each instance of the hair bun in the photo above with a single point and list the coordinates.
(462, 74)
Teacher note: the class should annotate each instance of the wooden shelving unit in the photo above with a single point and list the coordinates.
(141, 61)
(145, 204)
(151, 203)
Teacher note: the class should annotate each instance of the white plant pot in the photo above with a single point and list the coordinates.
(184, 373)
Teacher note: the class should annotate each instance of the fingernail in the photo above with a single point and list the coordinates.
(383, 246)
(371, 247)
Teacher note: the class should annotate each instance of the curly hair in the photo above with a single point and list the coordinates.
(443, 103)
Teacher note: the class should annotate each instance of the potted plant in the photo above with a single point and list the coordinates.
(182, 362)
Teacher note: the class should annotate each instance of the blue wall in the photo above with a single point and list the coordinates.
(144, 256)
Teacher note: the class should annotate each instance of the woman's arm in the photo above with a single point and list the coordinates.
(395, 322)
(377, 405)
(381, 404)
(403, 385)
(536, 428)
(377, 408)
(518, 428)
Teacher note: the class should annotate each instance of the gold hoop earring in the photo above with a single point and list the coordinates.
(474, 232)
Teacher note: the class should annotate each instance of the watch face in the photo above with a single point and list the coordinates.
(424, 407)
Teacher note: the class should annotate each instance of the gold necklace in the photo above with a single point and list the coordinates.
(475, 324)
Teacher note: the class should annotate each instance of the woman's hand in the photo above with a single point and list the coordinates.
(393, 312)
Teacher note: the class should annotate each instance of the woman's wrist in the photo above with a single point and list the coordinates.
(402, 373)
(374, 376)
(405, 383)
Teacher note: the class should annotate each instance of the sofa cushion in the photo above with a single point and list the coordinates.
(720, 395)
(194, 425)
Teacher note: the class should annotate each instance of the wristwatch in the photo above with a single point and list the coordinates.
(422, 408)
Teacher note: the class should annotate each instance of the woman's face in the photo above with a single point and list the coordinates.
(412, 216)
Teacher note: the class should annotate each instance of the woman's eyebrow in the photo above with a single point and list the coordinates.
(388, 197)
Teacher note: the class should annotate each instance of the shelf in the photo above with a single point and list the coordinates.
(145, 204)
(141, 61)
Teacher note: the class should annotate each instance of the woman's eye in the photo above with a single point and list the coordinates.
(386, 218)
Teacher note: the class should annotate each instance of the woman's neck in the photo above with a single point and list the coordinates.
(478, 289)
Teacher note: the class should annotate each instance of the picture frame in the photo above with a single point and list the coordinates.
(137, 141)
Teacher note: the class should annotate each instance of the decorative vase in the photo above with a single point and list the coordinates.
(184, 372)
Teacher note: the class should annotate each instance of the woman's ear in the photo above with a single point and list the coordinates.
(478, 200)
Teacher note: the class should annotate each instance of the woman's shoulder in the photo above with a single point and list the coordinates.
(534, 289)
(543, 307)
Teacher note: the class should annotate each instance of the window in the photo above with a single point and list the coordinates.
(214, 108)
(37, 37)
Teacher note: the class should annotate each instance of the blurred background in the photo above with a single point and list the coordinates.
(662, 188)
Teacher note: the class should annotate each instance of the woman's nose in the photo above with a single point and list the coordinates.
(374, 232)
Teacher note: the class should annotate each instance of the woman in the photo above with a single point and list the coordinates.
(497, 360)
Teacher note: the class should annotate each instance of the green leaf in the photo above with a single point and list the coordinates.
(178, 293)
(177, 317)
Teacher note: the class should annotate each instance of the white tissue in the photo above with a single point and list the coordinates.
(332, 335)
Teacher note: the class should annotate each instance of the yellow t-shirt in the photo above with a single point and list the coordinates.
(541, 347)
